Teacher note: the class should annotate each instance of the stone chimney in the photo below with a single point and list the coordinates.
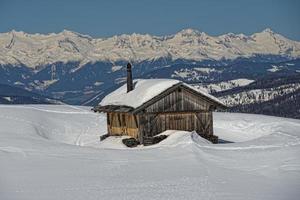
(129, 78)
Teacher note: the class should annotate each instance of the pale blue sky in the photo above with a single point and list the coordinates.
(106, 18)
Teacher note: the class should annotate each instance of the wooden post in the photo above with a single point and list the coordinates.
(108, 121)
(141, 127)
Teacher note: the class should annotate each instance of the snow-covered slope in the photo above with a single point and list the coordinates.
(224, 85)
(15, 95)
(53, 152)
(195, 73)
(258, 95)
(37, 50)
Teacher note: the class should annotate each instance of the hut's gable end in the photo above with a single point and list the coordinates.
(180, 100)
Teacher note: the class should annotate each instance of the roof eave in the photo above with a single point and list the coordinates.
(113, 108)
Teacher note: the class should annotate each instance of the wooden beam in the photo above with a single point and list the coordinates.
(178, 112)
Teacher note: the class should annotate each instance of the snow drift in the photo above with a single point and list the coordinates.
(54, 152)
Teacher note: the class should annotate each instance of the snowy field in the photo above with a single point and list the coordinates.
(53, 152)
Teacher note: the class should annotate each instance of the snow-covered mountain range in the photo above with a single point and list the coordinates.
(38, 50)
(77, 69)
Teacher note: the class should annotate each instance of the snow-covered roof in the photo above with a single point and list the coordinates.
(144, 90)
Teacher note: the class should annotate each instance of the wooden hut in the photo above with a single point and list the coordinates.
(144, 108)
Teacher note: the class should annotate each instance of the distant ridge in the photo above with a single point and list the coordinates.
(38, 50)
(14, 95)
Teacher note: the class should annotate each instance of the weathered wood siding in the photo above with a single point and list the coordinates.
(153, 124)
(179, 110)
(179, 100)
(122, 124)
(204, 123)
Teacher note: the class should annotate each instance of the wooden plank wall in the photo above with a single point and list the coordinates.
(122, 124)
(149, 125)
(200, 122)
(179, 100)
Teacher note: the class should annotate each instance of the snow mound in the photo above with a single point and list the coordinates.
(63, 124)
(181, 138)
(246, 127)
(113, 142)
(37, 161)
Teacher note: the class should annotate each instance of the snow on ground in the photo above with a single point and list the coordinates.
(275, 68)
(205, 69)
(224, 85)
(53, 152)
(258, 95)
(116, 68)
